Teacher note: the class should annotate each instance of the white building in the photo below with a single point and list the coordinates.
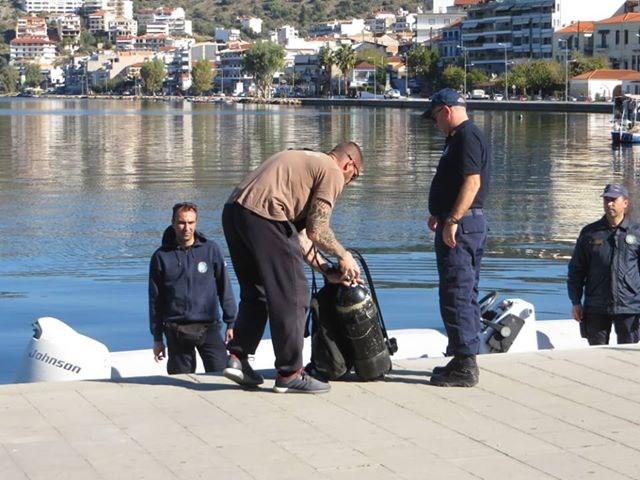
(227, 35)
(336, 28)
(119, 8)
(605, 84)
(121, 26)
(99, 20)
(204, 50)
(617, 39)
(52, 6)
(284, 35)
(38, 50)
(381, 22)
(251, 24)
(174, 18)
(69, 26)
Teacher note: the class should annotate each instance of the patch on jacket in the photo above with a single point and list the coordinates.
(631, 239)
(203, 267)
(596, 242)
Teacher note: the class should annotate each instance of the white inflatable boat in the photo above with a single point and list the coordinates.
(56, 352)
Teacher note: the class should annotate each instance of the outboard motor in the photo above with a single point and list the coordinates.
(57, 352)
(508, 327)
(360, 317)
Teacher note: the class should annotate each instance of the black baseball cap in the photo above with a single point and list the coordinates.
(446, 96)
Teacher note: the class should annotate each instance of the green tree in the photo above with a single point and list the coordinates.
(580, 64)
(32, 75)
(326, 62)
(423, 62)
(453, 76)
(153, 75)
(262, 61)
(475, 77)
(542, 75)
(202, 76)
(345, 58)
(9, 77)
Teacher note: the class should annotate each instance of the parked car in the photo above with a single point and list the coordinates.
(498, 97)
(392, 93)
(537, 97)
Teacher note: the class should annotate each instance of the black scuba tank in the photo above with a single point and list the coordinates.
(361, 320)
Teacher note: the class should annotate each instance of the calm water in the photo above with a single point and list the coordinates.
(86, 189)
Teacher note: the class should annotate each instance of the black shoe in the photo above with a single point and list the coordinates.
(464, 373)
(444, 368)
(241, 372)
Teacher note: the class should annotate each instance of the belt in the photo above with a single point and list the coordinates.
(473, 211)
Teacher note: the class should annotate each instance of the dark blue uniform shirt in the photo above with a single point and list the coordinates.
(466, 152)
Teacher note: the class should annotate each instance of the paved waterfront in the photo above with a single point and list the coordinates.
(546, 415)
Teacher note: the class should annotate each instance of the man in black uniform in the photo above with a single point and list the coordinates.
(456, 200)
(605, 270)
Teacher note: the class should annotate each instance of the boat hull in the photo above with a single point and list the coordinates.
(625, 137)
(56, 352)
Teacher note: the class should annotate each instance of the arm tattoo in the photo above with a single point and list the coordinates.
(319, 231)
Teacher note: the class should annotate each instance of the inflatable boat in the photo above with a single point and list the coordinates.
(56, 352)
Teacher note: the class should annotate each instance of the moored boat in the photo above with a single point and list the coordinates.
(626, 119)
(56, 352)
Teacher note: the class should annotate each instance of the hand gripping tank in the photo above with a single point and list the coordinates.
(361, 320)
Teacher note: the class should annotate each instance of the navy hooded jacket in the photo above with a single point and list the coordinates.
(188, 284)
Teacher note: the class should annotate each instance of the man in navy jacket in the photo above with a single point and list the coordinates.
(604, 273)
(188, 285)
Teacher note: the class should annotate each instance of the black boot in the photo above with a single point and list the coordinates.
(444, 368)
(464, 372)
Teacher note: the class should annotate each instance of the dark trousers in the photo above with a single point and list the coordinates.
(598, 328)
(459, 274)
(268, 263)
(182, 355)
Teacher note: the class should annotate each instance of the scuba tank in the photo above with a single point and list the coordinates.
(358, 311)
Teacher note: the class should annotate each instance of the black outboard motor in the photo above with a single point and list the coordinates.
(361, 319)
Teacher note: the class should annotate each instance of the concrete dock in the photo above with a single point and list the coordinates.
(570, 414)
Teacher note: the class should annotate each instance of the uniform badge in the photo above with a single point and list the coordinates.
(631, 239)
(202, 267)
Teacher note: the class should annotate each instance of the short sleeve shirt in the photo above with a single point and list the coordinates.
(283, 187)
(466, 152)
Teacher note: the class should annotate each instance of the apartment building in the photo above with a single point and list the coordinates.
(171, 20)
(618, 39)
(31, 27)
(51, 6)
(39, 50)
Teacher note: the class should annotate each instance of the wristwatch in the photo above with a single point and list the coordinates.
(452, 221)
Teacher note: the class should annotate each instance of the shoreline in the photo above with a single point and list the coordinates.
(411, 103)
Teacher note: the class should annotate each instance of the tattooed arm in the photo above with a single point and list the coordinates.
(320, 233)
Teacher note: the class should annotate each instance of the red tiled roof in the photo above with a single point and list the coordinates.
(577, 27)
(458, 3)
(623, 17)
(364, 66)
(31, 41)
(608, 74)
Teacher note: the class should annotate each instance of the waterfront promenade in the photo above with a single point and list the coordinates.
(570, 414)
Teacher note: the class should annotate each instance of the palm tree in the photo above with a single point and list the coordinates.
(326, 60)
(345, 59)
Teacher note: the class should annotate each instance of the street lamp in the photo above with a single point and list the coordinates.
(464, 55)
(506, 83)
